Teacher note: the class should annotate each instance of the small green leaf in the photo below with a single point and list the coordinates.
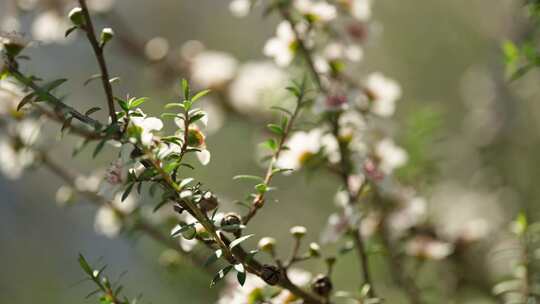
(92, 78)
(137, 102)
(275, 129)
(185, 88)
(261, 188)
(53, 84)
(241, 274)
(91, 111)
(85, 266)
(70, 30)
(127, 191)
(251, 177)
(200, 95)
(281, 109)
(220, 275)
(213, 257)
(28, 98)
(98, 148)
(239, 240)
(270, 144)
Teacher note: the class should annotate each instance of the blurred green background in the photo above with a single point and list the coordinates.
(460, 120)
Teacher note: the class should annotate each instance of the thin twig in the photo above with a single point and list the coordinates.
(258, 201)
(98, 51)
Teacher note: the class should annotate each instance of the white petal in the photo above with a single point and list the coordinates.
(204, 157)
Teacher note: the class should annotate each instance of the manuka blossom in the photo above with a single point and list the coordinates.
(389, 156)
(108, 221)
(258, 86)
(239, 8)
(303, 146)
(13, 161)
(146, 126)
(383, 93)
(50, 27)
(210, 69)
(316, 11)
(283, 46)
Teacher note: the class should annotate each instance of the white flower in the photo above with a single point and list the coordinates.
(281, 47)
(10, 95)
(212, 68)
(361, 9)
(239, 8)
(258, 86)
(147, 126)
(203, 156)
(390, 156)
(28, 131)
(384, 93)
(107, 221)
(412, 213)
(302, 146)
(64, 195)
(14, 161)
(49, 27)
(316, 10)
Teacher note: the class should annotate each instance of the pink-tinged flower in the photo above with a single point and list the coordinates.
(412, 212)
(389, 156)
(426, 247)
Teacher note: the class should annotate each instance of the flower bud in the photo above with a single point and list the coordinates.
(298, 231)
(267, 244)
(195, 137)
(270, 274)
(230, 222)
(76, 16)
(208, 202)
(321, 285)
(314, 250)
(106, 35)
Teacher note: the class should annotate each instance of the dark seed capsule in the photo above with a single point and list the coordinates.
(208, 202)
(322, 285)
(231, 222)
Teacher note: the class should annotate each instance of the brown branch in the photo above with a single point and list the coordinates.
(98, 200)
(98, 51)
